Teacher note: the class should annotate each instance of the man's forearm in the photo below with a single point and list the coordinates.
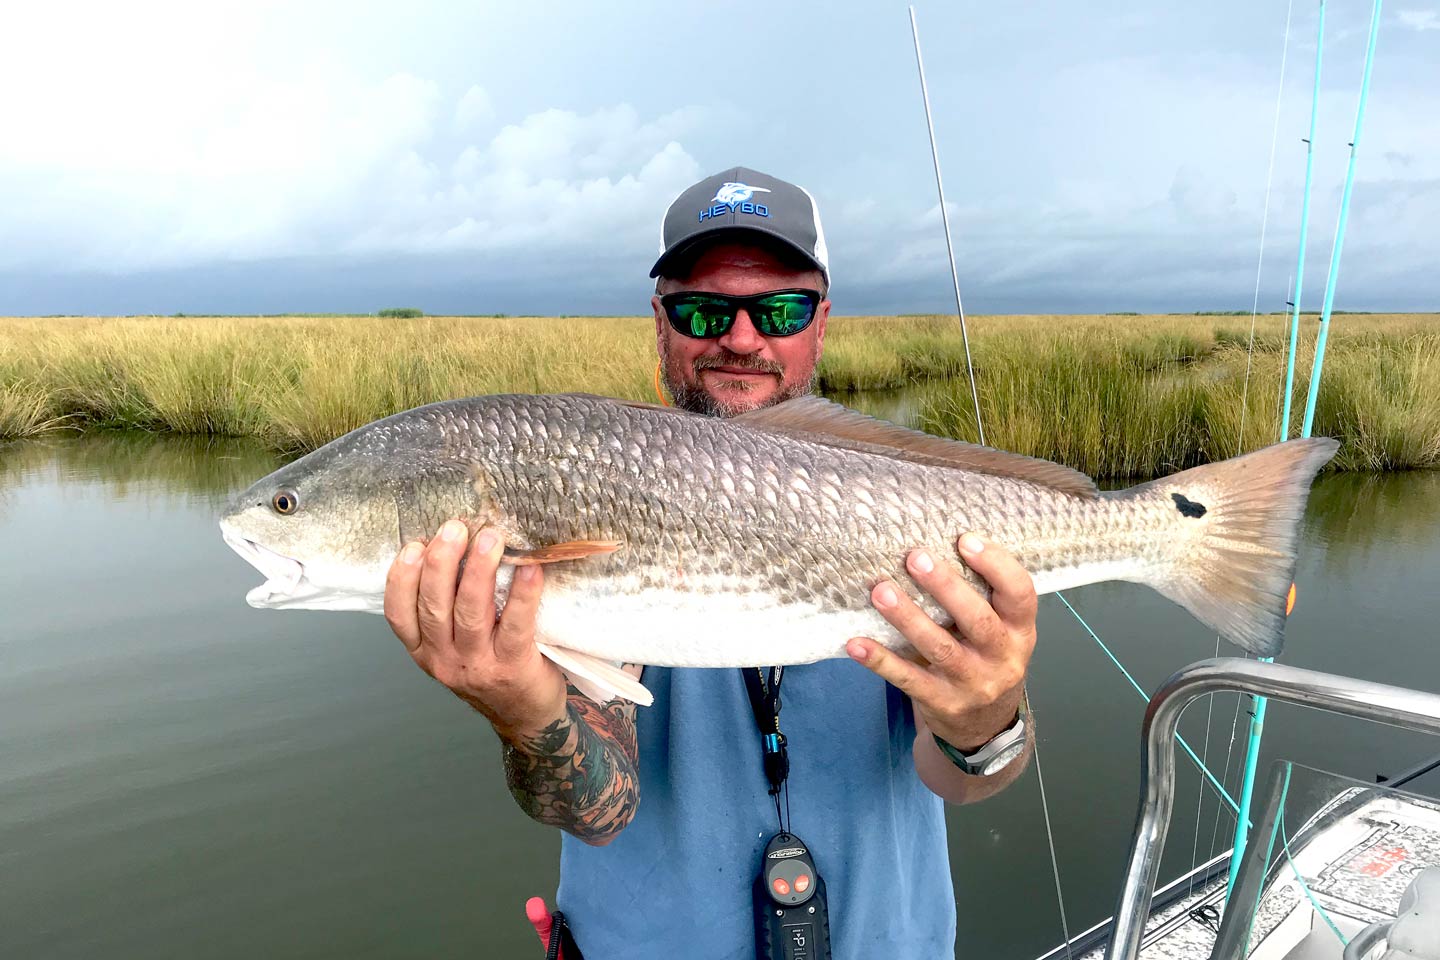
(579, 773)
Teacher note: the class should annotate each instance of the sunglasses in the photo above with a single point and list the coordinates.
(705, 316)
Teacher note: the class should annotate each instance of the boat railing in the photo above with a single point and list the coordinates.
(1347, 696)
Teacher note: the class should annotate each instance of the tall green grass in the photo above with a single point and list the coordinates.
(1110, 395)
(1145, 398)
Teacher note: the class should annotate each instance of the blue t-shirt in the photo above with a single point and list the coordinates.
(680, 876)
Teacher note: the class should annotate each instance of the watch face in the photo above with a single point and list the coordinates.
(1002, 759)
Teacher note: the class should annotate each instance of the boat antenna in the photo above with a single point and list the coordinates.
(945, 219)
(980, 430)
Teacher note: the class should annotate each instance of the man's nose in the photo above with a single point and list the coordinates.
(742, 337)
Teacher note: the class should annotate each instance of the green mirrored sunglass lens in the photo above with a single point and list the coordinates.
(785, 314)
(703, 319)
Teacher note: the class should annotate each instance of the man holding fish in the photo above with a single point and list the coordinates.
(676, 789)
(753, 525)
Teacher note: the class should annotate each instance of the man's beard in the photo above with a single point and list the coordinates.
(693, 397)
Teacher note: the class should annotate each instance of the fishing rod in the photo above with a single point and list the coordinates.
(1242, 810)
(1257, 718)
(1304, 229)
(1340, 224)
(1409, 773)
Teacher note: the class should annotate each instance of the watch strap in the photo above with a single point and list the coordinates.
(975, 762)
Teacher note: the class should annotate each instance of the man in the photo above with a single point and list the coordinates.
(870, 761)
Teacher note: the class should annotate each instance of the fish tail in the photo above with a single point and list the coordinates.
(1235, 571)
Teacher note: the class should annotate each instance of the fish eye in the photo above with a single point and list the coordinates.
(285, 501)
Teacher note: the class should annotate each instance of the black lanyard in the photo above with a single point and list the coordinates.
(765, 704)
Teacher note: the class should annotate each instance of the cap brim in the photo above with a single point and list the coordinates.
(679, 250)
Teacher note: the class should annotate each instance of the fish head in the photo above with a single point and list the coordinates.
(323, 530)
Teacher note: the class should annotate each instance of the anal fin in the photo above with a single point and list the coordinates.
(600, 680)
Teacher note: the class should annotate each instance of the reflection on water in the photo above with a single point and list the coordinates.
(182, 775)
(131, 462)
(900, 406)
(1368, 512)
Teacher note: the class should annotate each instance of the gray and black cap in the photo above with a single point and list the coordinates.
(741, 199)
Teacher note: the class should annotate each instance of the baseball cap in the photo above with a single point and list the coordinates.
(741, 199)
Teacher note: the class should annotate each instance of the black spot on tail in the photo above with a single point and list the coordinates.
(1188, 507)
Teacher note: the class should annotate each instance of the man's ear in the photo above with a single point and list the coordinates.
(660, 323)
(822, 314)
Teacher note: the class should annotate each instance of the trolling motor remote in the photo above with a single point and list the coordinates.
(792, 921)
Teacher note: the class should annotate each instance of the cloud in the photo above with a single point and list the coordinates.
(474, 109)
(258, 146)
(1419, 20)
(326, 161)
(267, 170)
(554, 183)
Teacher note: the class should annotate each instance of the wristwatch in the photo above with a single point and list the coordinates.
(994, 756)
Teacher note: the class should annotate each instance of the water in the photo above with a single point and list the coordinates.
(181, 775)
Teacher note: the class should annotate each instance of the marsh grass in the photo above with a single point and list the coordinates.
(1141, 397)
(1117, 395)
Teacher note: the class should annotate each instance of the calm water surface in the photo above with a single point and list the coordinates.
(181, 775)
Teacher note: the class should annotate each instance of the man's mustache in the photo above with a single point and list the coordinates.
(739, 361)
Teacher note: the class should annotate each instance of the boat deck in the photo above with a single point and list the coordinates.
(1357, 854)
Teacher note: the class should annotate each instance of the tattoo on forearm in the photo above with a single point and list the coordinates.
(579, 773)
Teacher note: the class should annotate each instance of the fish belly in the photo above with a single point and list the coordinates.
(664, 627)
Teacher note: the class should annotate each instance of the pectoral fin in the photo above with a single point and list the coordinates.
(556, 552)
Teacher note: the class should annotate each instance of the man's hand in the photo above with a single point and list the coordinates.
(569, 763)
(967, 683)
(447, 621)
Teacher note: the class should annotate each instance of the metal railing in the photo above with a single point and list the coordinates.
(1347, 696)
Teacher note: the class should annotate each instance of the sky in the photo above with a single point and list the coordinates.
(475, 157)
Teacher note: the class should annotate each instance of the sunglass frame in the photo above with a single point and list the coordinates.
(670, 301)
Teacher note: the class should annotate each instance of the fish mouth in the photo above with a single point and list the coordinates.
(287, 586)
(284, 576)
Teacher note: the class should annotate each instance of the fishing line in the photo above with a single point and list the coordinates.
(1299, 878)
(1219, 787)
(1199, 791)
(1264, 222)
(1229, 753)
(980, 431)
(1049, 831)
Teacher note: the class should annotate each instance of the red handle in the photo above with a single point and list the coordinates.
(539, 916)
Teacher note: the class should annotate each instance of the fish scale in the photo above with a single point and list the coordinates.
(756, 539)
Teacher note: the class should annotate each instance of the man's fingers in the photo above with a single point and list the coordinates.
(475, 597)
(909, 678)
(1012, 590)
(439, 571)
(515, 634)
(975, 621)
(932, 641)
(402, 593)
